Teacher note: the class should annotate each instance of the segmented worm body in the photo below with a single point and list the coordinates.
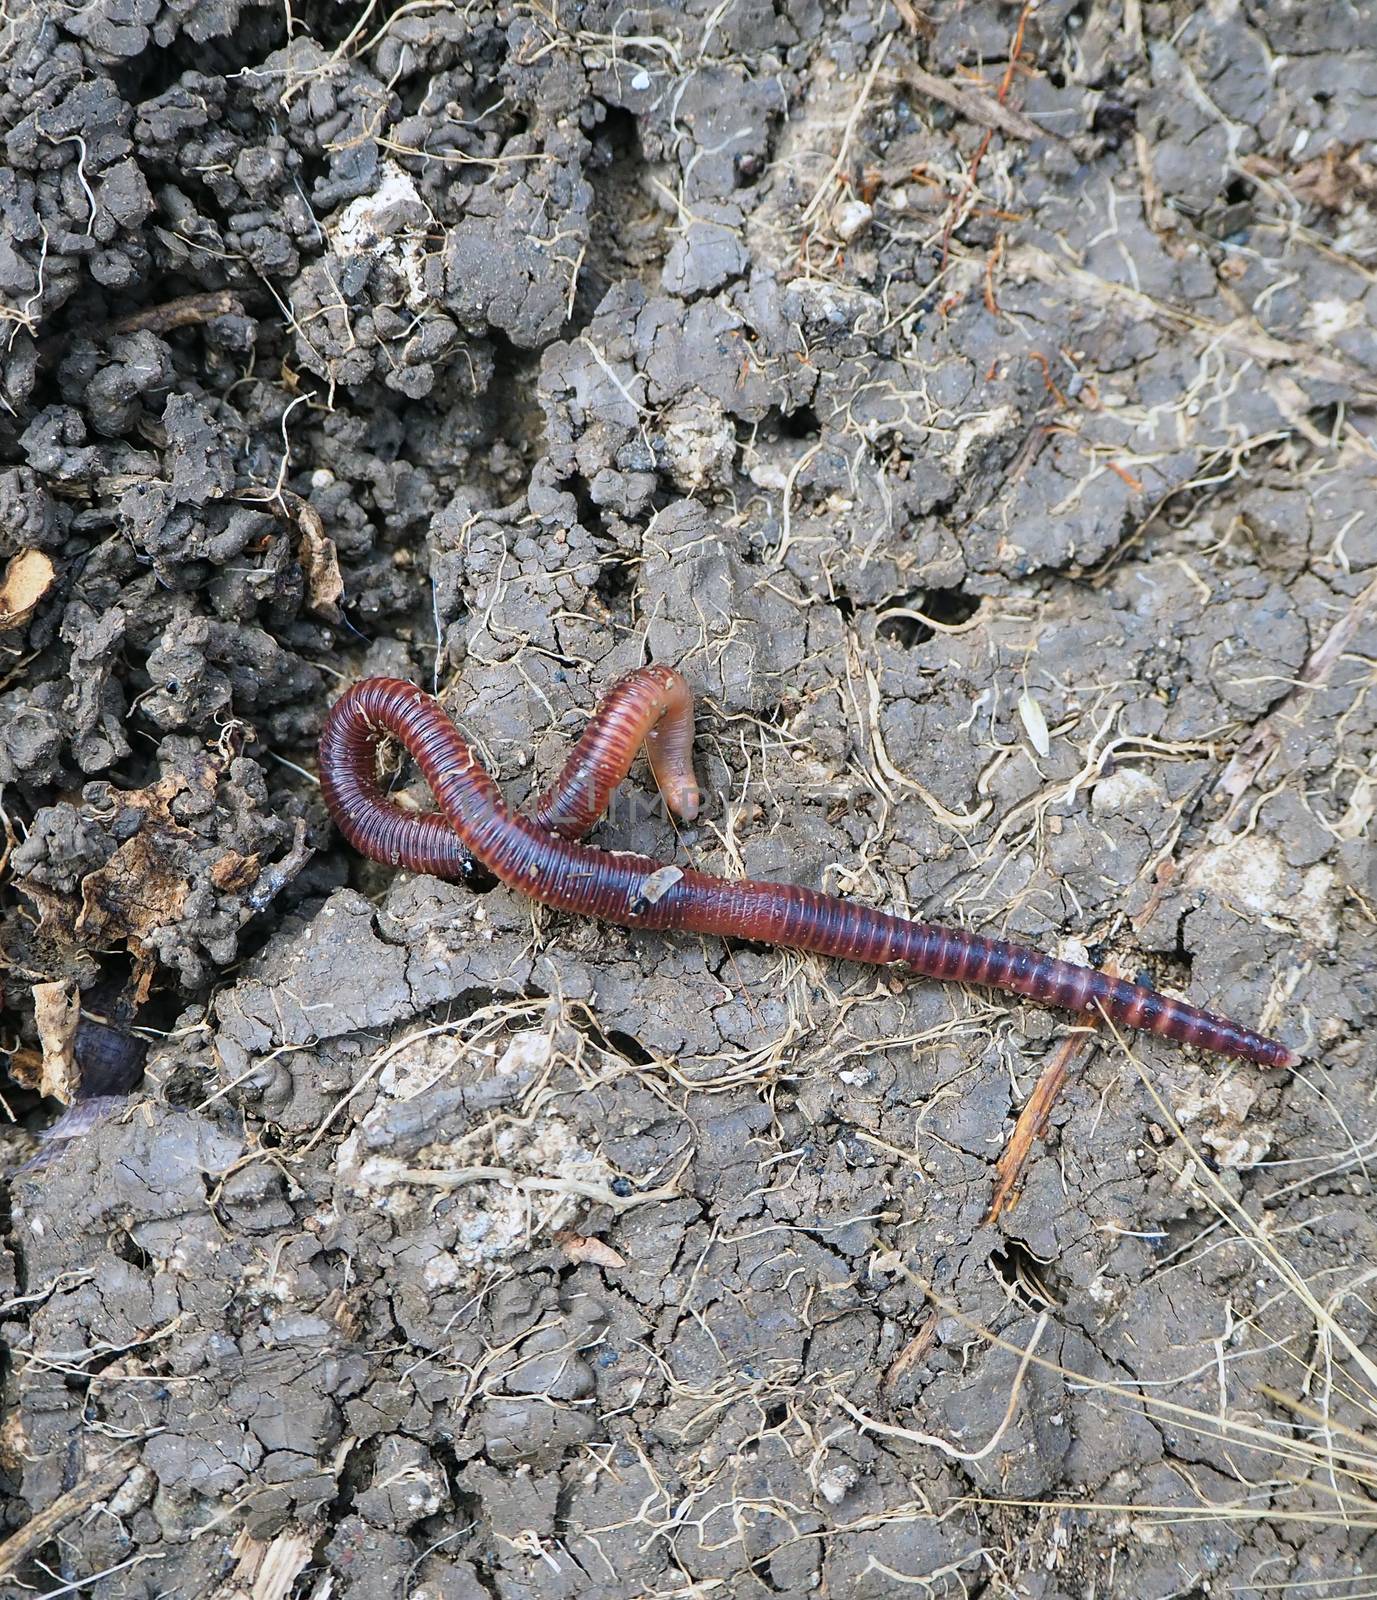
(543, 855)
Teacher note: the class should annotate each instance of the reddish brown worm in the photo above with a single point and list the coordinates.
(543, 855)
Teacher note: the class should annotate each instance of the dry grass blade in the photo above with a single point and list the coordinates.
(1242, 337)
(1356, 1467)
(824, 189)
(1229, 1209)
(1332, 1471)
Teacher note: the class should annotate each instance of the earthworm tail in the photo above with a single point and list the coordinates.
(616, 887)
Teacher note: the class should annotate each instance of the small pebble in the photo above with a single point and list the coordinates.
(851, 219)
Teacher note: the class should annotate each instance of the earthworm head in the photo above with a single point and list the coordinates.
(681, 795)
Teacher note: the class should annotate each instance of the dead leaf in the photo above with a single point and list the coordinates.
(143, 884)
(25, 1066)
(138, 890)
(234, 872)
(141, 978)
(579, 1248)
(57, 1011)
(28, 577)
(1333, 181)
(319, 561)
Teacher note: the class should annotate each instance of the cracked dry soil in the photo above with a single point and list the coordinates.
(977, 405)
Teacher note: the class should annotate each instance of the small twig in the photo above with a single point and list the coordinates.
(184, 312)
(599, 1193)
(954, 212)
(41, 1527)
(1032, 1120)
(977, 106)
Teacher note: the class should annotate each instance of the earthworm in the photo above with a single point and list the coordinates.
(543, 856)
(652, 706)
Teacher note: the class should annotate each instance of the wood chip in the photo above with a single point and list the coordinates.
(28, 577)
(95, 1486)
(267, 1569)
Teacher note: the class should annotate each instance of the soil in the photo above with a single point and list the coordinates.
(979, 406)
